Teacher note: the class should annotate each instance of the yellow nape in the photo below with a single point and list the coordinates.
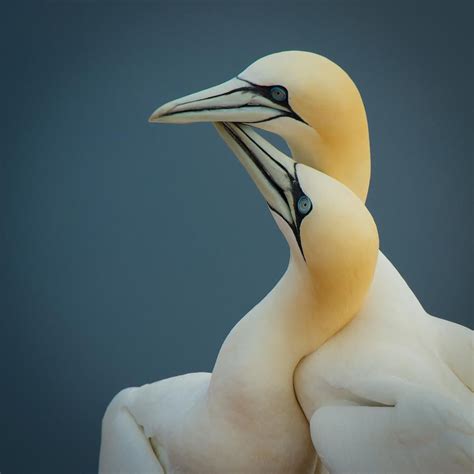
(336, 137)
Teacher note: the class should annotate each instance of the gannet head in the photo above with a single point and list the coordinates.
(303, 97)
(331, 234)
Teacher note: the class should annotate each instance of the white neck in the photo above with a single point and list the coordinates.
(254, 368)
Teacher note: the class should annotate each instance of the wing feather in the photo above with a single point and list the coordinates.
(422, 433)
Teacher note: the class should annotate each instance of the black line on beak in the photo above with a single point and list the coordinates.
(239, 89)
(295, 187)
(284, 113)
(256, 162)
(263, 91)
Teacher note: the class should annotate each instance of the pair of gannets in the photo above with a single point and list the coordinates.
(386, 387)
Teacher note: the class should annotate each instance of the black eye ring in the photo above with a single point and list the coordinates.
(278, 93)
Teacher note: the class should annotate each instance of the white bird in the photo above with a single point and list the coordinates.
(392, 391)
(244, 417)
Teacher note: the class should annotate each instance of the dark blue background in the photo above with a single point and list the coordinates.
(129, 250)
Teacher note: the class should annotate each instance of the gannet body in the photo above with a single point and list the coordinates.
(392, 391)
(393, 354)
(245, 417)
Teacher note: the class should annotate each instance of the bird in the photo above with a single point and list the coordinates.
(305, 98)
(244, 417)
(394, 369)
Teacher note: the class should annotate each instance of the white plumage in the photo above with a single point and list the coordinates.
(392, 391)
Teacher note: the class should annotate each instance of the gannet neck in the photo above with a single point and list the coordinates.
(345, 157)
(254, 368)
(253, 374)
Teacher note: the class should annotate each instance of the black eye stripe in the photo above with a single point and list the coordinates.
(298, 194)
(265, 91)
(270, 92)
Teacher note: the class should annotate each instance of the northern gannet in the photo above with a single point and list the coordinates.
(244, 417)
(393, 354)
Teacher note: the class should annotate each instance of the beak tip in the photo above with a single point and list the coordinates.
(155, 116)
(159, 115)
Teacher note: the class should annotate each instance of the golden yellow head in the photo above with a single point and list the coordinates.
(305, 98)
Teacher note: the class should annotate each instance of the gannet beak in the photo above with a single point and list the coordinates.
(273, 172)
(237, 100)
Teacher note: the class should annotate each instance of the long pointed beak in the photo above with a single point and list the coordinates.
(273, 172)
(236, 100)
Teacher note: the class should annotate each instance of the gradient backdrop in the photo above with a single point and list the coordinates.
(129, 250)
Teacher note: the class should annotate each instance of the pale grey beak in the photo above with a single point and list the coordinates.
(272, 171)
(236, 100)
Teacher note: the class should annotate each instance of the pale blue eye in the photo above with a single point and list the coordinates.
(278, 93)
(304, 204)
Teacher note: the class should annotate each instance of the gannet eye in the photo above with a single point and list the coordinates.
(278, 93)
(304, 204)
